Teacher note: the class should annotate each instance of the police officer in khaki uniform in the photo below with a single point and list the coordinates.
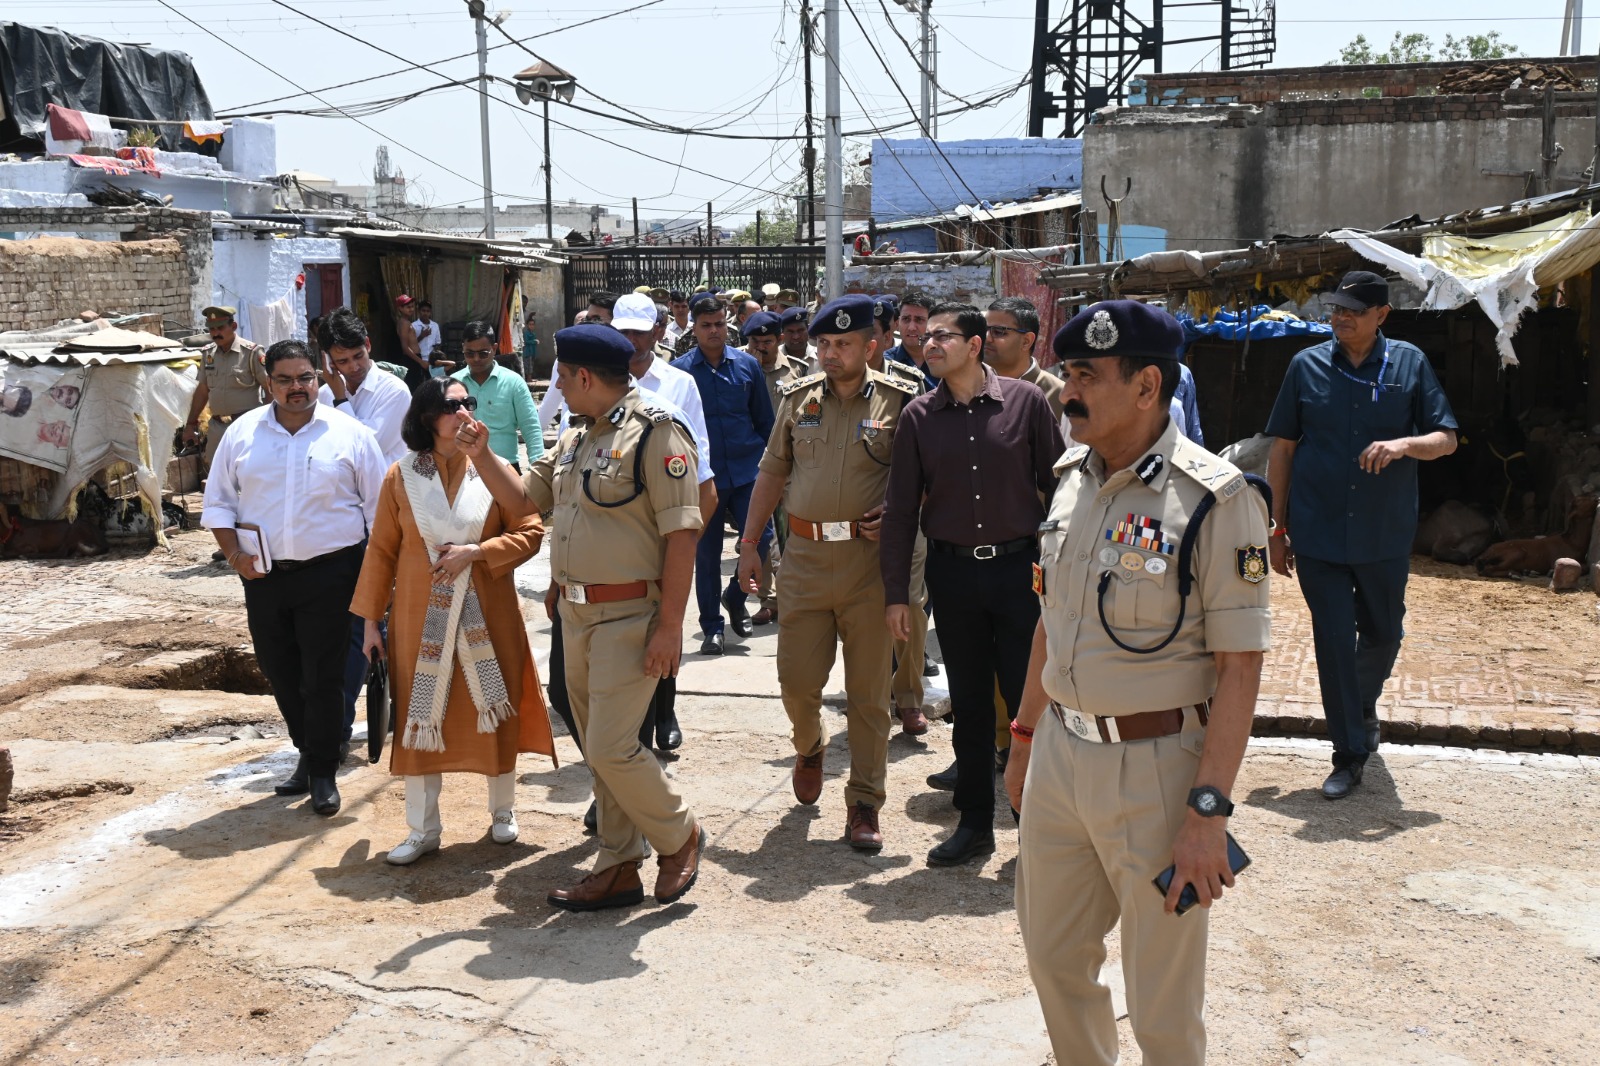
(831, 443)
(761, 340)
(233, 372)
(625, 524)
(1140, 692)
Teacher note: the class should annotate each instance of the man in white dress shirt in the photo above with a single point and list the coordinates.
(306, 476)
(378, 401)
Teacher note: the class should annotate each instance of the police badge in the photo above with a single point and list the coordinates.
(1102, 332)
(1252, 563)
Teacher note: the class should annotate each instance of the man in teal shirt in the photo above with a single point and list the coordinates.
(504, 403)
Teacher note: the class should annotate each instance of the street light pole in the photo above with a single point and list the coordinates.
(927, 80)
(477, 12)
(833, 169)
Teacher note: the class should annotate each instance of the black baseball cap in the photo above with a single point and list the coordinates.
(1359, 290)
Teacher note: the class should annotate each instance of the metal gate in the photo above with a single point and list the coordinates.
(748, 267)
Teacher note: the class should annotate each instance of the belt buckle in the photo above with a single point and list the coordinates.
(575, 594)
(984, 551)
(1082, 725)
(835, 530)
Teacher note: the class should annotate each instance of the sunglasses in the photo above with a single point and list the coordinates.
(469, 403)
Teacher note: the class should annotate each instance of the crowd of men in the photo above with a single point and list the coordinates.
(1099, 581)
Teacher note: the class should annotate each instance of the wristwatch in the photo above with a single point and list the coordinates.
(1209, 802)
(337, 400)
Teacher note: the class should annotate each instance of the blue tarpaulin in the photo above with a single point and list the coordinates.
(1231, 325)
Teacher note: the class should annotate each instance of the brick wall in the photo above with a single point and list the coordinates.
(155, 261)
(45, 280)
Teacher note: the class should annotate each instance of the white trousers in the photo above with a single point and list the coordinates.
(422, 799)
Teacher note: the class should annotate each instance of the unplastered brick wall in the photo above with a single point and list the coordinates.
(47, 279)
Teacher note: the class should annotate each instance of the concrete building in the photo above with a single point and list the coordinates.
(1219, 160)
(918, 177)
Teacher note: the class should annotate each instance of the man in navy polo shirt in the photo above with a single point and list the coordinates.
(1354, 417)
(733, 392)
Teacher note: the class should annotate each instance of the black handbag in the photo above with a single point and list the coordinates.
(380, 709)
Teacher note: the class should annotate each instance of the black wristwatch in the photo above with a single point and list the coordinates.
(337, 400)
(1209, 802)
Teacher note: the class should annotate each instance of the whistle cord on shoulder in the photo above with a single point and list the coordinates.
(1185, 568)
(638, 470)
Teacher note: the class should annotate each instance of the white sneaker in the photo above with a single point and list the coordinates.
(413, 848)
(504, 827)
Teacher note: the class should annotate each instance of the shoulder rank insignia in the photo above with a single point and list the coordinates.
(1071, 457)
(654, 413)
(1231, 489)
(901, 384)
(799, 383)
(1252, 563)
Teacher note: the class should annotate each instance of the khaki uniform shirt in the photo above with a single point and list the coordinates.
(1048, 383)
(908, 374)
(1088, 534)
(835, 452)
(593, 466)
(235, 376)
(782, 372)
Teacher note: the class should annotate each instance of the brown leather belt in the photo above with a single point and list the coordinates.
(824, 530)
(1120, 729)
(633, 590)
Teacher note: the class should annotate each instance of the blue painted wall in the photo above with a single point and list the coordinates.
(910, 178)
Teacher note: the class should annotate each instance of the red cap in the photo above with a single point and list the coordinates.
(403, 299)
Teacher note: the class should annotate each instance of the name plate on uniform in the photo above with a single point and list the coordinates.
(836, 531)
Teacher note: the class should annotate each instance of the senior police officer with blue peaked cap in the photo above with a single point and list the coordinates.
(1141, 687)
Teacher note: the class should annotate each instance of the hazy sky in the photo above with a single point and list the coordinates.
(687, 63)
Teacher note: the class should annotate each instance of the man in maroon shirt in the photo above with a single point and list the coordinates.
(973, 461)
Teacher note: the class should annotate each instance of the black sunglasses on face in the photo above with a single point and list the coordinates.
(469, 402)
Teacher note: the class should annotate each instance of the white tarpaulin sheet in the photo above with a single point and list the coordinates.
(126, 412)
(39, 408)
(1502, 273)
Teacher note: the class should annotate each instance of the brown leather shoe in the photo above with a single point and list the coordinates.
(615, 886)
(680, 869)
(808, 777)
(912, 720)
(862, 827)
(764, 617)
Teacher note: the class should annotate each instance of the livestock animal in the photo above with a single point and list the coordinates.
(1456, 532)
(54, 538)
(1538, 555)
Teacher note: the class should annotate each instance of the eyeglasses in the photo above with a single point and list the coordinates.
(942, 337)
(1001, 331)
(454, 404)
(284, 383)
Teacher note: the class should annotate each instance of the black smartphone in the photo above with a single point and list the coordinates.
(1237, 861)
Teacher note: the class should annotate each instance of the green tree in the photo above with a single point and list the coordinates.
(1419, 48)
(778, 225)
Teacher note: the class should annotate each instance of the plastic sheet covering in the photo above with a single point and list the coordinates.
(1263, 323)
(1502, 274)
(41, 66)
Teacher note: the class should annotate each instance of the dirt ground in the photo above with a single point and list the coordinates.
(158, 904)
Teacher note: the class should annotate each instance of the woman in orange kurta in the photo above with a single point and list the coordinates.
(476, 727)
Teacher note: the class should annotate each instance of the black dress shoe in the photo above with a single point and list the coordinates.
(219, 556)
(929, 667)
(944, 780)
(712, 645)
(296, 784)
(964, 845)
(324, 796)
(1342, 781)
(591, 817)
(668, 736)
(738, 617)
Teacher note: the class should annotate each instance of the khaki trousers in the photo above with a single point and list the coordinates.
(1098, 822)
(907, 684)
(214, 433)
(610, 695)
(830, 593)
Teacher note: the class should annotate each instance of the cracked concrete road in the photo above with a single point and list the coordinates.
(167, 907)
